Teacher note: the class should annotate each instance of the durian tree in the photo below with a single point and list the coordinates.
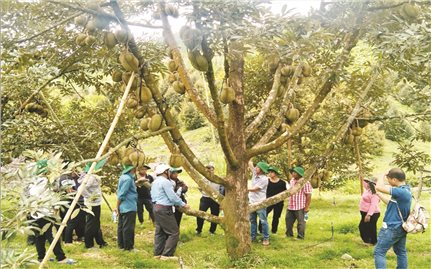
(310, 86)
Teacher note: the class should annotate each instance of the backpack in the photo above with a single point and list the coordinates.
(417, 221)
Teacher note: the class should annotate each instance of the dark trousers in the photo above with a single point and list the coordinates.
(368, 230)
(204, 204)
(40, 240)
(291, 217)
(178, 216)
(167, 234)
(92, 228)
(148, 206)
(76, 224)
(126, 230)
(278, 209)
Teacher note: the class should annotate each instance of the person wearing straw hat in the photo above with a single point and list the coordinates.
(275, 186)
(299, 204)
(44, 216)
(144, 194)
(180, 188)
(92, 194)
(257, 193)
(127, 198)
(206, 203)
(164, 198)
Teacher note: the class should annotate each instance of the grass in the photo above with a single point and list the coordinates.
(329, 211)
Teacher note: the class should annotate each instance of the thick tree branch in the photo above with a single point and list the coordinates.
(325, 156)
(383, 118)
(220, 126)
(203, 215)
(279, 119)
(182, 71)
(251, 128)
(215, 195)
(398, 4)
(48, 29)
(327, 86)
(103, 14)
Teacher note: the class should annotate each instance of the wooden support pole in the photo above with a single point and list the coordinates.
(84, 182)
(358, 161)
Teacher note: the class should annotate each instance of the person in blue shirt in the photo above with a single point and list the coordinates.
(392, 233)
(164, 198)
(126, 208)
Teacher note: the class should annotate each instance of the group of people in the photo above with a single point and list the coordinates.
(164, 195)
(392, 233)
(265, 184)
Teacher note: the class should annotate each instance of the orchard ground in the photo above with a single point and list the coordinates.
(318, 250)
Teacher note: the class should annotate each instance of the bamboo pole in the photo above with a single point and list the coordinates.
(358, 162)
(84, 182)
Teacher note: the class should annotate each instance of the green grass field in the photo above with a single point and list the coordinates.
(319, 250)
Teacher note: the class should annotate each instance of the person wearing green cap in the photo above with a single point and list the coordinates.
(92, 194)
(275, 186)
(127, 198)
(257, 193)
(299, 204)
(143, 188)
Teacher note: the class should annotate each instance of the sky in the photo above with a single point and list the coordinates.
(300, 6)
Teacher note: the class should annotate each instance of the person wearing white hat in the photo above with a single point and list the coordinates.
(164, 198)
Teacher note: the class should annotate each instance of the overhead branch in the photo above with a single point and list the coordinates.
(215, 195)
(176, 135)
(325, 89)
(220, 126)
(383, 118)
(203, 215)
(184, 74)
(123, 143)
(103, 14)
(329, 151)
(48, 29)
(280, 116)
(398, 4)
(251, 128)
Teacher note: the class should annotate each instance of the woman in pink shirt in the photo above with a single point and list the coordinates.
(370, 213)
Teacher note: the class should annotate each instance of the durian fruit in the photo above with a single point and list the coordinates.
(137, 158)
(192, 38)
(109, 40)
(409, 11)
(287, 70)
(132, 102)
(171, 10)
(227, 95)
(273, 61)
(91, 26)
(121, 35)
(179, 87)
(117, 76)
(129, 61)
(315, 181)
(144, 124)
(172, 66)
(81, 20)
(176, 160)
(356, 131)
(139, 112)
(198, 61)
(114, 158)
(80, 39)
(292, 114)
(90, 40)
(145, 94)
(306, 69)
(126, 77)
(155, 122)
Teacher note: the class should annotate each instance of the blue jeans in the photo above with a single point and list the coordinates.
(261, 213)
(394, 237)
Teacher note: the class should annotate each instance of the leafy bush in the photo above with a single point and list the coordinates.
(192, 119)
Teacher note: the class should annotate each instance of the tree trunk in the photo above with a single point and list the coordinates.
(235, 207)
